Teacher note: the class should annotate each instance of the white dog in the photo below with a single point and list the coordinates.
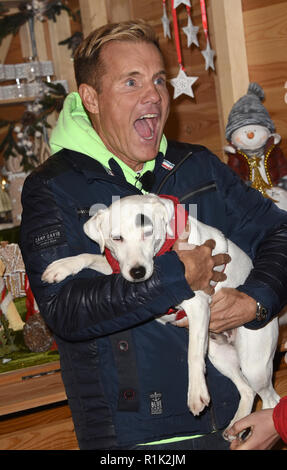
(134, 229)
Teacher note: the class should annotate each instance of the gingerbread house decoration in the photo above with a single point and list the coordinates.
(14, 275)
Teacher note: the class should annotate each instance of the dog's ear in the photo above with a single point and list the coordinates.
(93, 228)
(168, 214)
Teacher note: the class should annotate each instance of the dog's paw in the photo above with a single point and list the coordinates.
(182, 322)
(167, 318)
(228, 437)
(198, 398)
(242, 436)
(57, 271)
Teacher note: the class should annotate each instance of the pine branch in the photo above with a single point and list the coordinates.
(10, 24)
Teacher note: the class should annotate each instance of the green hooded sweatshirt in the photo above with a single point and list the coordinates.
(74, 121)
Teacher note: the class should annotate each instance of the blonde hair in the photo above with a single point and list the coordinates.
(89, 67)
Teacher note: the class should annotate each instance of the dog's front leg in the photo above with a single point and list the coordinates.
(61, 268)
(197, 311)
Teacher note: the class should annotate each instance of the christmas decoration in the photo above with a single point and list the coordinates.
(33, 125)
(190, 31)
(208, 53)
(28, 78)
(15, 184)
(37, 336)
(165, 21)
(21, 137)
(47, 9)
(40, 9)
(14, 284)
(182, 83)
(176, 3)
(25, 144)
(7, 338)
(73, 41)
(14, 275)
(7, 305)
(5, 202)
(253, 149)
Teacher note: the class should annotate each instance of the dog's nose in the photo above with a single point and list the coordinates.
(138, 272)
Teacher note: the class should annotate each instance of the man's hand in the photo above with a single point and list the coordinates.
(263, 433)
(229, 309)
(199, 264)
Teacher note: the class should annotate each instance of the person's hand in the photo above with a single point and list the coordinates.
(229, 309)
(263, 433)
(199, 264)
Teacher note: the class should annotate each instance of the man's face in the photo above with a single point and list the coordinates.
(133, 104)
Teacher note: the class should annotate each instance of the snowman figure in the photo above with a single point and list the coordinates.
(253, 150)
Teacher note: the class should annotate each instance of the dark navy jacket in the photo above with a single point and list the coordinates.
(125, 374)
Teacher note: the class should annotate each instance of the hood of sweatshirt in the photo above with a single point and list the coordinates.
(74, 122)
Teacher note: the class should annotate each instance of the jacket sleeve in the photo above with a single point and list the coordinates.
(259, 227)
(280, 418)
(89, 304)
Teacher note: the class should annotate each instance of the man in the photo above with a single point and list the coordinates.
(125, 374)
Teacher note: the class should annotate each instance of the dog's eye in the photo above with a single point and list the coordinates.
(117, 238)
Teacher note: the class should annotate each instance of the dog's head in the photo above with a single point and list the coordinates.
(134, 229)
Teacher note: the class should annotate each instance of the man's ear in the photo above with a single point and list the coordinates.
(89, 98)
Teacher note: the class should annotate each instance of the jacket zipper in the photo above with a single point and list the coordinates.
(212, 419)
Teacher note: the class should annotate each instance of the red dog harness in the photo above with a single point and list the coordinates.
(178, 224)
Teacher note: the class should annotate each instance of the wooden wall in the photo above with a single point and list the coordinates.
(250, 40)
(191, 120)
(266, 45)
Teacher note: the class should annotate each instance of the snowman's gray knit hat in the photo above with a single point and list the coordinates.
(249, 110)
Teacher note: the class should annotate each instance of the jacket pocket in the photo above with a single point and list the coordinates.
(199, 190)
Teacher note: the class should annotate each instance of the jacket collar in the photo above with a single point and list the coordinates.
(92, 169)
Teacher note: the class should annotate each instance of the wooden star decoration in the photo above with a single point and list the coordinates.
(179, 2)
(183, 84)
(208, 55)
(166, 24)
(191, 32)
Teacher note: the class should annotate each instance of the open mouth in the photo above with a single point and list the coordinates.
(146, 125)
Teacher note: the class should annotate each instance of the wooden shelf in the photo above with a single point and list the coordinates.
(47, 429)
(12, 3)
(34, 414)
(14, 101)
(31, 387)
